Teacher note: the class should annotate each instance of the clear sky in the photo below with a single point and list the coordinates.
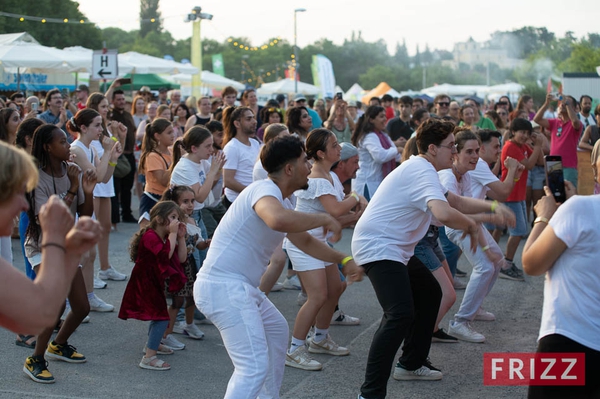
(439, 23)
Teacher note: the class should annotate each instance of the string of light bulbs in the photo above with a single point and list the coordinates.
(66, 20)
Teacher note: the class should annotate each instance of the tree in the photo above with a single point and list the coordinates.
(149, 17)
(401, 56)
(584, 58)
(58, 35)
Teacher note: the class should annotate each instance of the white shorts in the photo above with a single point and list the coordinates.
(302, 262)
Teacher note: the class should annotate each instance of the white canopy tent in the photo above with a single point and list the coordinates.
(209, 79)
(287, 86)
(354, 93)
(143, 63)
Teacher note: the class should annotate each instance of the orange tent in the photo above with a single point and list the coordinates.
(379, 91)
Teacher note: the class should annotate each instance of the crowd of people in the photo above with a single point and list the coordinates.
(419, 183)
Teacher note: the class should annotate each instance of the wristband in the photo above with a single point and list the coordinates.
(346, 260)
(494, 206)
(485, 248)
(72, 193)
(355, 196)
(113, 138)
(540, 219)
(53, 244)
(112, 163)
(516, 179)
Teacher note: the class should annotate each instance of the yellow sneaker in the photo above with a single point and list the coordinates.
(66, 353)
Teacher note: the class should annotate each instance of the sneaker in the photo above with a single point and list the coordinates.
(459, 284)
(111, 274)
(423, 373)
(193, 331)
(516, 269)
(292, 283)
(300, 359)
(66, 353)
(98, 305)
(441, 336)
(327, 346)
(463, 331)
(429, 365)
(99, 284)
(483, 315)
(510, 273)
(277, 287)
(179, 326)
(302, 298)
(341, 319)
(172, 343)
(36, 368)
(153, 363)
(460, 273)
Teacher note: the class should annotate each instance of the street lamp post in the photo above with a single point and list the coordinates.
(196, 51)
(297, 64)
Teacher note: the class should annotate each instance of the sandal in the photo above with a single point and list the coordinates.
(162, 350)
(154, 363)
(23, 340)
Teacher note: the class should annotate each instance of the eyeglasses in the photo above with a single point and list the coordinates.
(502, 103)
(443, 104)
(451, 147)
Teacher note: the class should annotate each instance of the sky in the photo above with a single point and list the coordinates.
(438, 23)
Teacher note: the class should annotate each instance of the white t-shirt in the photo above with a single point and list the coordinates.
(480, 178)
(243, 243)
(259, 172)
(188, 173)
(571, 294)
(397, 216)
(371, 156)
(241, 158)
(450, 183)
(103, 190)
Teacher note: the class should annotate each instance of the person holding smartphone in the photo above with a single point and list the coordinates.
(563, 132)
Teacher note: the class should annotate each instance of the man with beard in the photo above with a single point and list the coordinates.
(400, 127)
(585, 116)
(254, 332)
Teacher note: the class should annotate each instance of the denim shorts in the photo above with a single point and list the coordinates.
(520, 211)
(536, 178)
(428, 250)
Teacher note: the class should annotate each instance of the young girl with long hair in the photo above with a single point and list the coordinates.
(156, 251)
(57, 177)
(155, 161)
(184, 197)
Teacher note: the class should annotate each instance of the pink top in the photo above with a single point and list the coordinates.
(564, 140)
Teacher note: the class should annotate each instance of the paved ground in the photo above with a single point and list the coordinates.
(113, 348)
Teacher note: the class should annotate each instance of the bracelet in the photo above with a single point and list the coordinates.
(353, 194)
(540, 219)
(346, 260)
(516, 179)
(485, 248)
(494, 206)
(112, 163)
(72, 193)
(53, 244)
(113, 138)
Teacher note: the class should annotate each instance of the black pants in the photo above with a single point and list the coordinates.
(123, 187)
(559, 343)
(410, 298)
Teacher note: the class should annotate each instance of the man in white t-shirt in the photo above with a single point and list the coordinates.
(241, 151)
(397, 217)
(255, 334)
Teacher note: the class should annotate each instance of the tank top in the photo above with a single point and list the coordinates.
(102, 190)
(201, 121)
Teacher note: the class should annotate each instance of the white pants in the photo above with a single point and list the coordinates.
(255, 335)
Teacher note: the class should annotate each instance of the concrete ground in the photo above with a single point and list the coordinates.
(113, 348)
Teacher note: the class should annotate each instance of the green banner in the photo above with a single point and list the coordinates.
(218, 66)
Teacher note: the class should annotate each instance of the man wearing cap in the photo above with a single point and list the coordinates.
(345, 169)
(300, 101)
(82, 93)
(146, 94)
(162, 96)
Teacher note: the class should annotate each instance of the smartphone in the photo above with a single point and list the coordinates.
(175, 119)
(339, 96)
(554, 177)
(34, 107)
(65, 92)
(125, 81)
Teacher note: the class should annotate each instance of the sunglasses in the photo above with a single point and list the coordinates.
(443, 104)
(502, 103)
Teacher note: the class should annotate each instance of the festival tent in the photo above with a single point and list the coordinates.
(209, 79)
(143, 63)
(287, 86)
(381, 89)
(153, 81)
(354, 93)
(454, 90)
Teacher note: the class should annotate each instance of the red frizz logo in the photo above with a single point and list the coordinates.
(534, 368)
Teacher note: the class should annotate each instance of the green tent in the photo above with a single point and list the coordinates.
(153, 81)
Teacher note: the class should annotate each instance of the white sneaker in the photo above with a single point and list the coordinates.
(302, 298)
(111, 274)
(172, 343)
(300, 359)
(327, 346)
(98, 305)
(341, 319)
(292, 283)
(465, 332)
(483, 315)
(459, 284)
(178, 327)
(423, 373)
(99, 284)
(277, 287)
(192, 331)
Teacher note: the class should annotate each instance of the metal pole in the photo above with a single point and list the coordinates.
(196, 57)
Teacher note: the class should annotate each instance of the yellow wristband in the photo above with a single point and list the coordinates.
(540, 219)
(494, 206)
(516, 180)
(346, 260)
(485, 248)
(113, 138)
(355, 196)
(112, 163)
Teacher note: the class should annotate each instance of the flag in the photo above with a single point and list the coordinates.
(217, 64)
(549, 87)
(323, 75)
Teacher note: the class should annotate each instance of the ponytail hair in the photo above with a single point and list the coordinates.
(194, 137)
(317, 141)
(83, 117)
(230, 115)
(149, 143)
